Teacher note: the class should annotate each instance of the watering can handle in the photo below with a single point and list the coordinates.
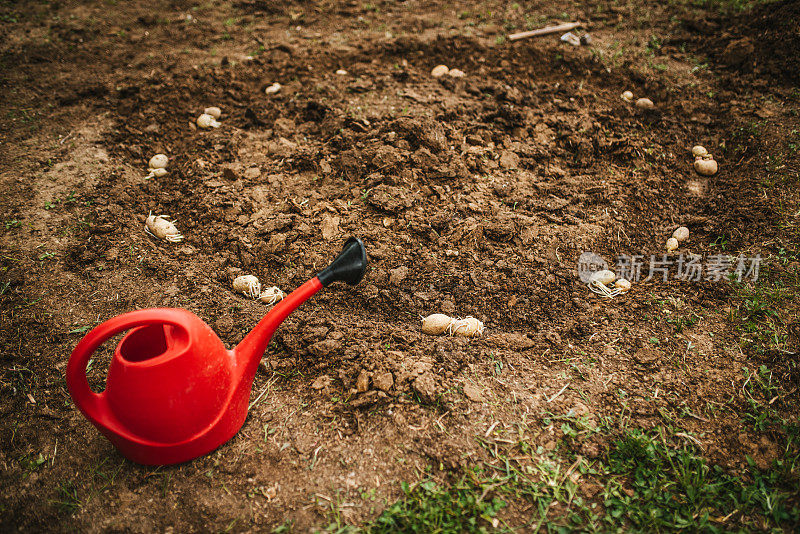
(92, 404)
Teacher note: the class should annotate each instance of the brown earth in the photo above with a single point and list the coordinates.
(475, 196)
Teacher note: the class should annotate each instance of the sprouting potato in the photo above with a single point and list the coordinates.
(466, 327)
(698, 151)
(681, 234)
(627, 96)
(272, 89)
(605, 277)
(214, 111)
(439, 71)
(645, 103)
(159, 161)
(156, 173)
(706, 165)
(159, 227)
(672, 244)
(271, 295)
(157, 166)
(207, 121)
(248, 285)
(436, 324)
(623, 285)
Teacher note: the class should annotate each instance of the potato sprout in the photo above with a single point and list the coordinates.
(623, 285)
(466, 327)
(157, 166)
(605, 276)
(681, 234)
(214, 111)
(207, 121)
(272, 295)
(672, 244)
(159, 161)
(439, 323)
(436, 324)
(248, 285)
(698, 151)
(706, 165)
(439, 71)
(158, 226)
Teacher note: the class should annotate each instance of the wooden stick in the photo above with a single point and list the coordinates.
(544, 31)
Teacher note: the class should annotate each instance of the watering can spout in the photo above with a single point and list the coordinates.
(349, 266)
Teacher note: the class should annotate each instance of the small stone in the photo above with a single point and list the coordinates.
(341, 72)
(425, 386)
(330, 226)
(580, 409)
(321, 382)
(571, 38)
(456, 73)
(586, 39)
(272, 89)
(383, 381)
(252, 173)
(447, 306)
(590, 449)
(646, 356)
(362, 382)
(738, 52)
(509, 159)
(224, 324)
(439, 71)
(396, 276)
(553, 337)
(627, 96)
(324, 347)
(472, 392)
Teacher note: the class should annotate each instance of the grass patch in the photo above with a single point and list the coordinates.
(654, 487)
(427, 507)
(646, 481)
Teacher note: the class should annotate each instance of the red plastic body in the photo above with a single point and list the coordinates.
(173, 391)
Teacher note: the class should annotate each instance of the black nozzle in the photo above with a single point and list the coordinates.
(349, 266)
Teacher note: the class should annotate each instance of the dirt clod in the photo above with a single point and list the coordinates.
(473, 392)
(383, 381)
(362, 382)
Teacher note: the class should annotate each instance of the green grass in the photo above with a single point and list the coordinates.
(659, 488)
(759, 314)
(649, 480)
(427, 507)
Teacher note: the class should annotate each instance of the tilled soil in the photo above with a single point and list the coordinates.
(475, 197)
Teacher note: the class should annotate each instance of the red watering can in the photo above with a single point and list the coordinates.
(174, 392)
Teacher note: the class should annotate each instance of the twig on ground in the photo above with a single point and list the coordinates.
(544, 31)
(554, 397)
